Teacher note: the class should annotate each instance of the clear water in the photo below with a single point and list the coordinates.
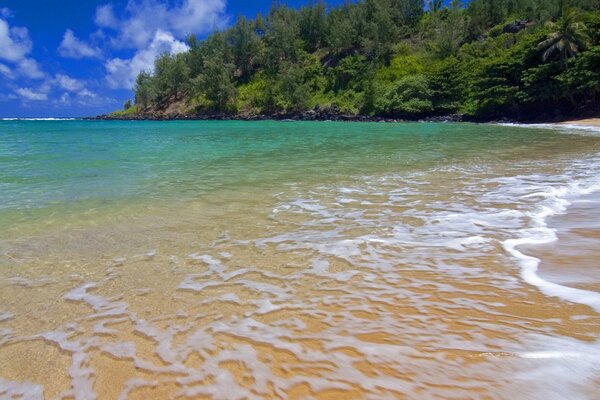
(44, 163)
(269, 259)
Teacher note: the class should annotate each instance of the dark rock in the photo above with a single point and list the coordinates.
(515, 26)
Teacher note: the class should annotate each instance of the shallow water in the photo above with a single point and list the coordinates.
(297, 260)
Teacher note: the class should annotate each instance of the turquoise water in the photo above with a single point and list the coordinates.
(296, 260)
(65, 162)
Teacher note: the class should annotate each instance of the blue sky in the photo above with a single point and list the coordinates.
(64, 58)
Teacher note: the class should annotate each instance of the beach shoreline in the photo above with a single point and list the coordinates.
(337, 115)
(569, 260)
(588, 122)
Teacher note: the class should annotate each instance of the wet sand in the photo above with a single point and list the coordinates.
(287, 305)
(393, 281)
(593, 122)
(574, 259)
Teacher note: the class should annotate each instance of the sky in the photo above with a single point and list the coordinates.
(72, 58)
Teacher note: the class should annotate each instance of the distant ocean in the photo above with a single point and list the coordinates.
(298, 260)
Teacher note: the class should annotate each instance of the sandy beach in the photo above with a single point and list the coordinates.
(237, 260)
(583, 122)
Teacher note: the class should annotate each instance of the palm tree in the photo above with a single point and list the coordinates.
(568, 37)
(436, 5)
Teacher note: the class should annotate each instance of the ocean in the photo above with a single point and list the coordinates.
(245, 260)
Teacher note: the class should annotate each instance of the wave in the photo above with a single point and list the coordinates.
(556, 202)
(453, 226)
(39, 119)
(559, 127)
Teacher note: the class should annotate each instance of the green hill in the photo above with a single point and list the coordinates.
(488, 59)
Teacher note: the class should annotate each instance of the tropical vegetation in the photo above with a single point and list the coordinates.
(483, 59)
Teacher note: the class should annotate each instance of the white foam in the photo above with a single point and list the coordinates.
(123, 350)
(103, 306)
(555, 202)
(20, 390)
(574, 128)
(38, 119)
(81, 373)
(5, 316)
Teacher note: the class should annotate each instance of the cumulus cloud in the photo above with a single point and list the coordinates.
(15, 46)
(29, 94)
(60, 89)
(84, 98)
(6, 71)
(69, 84)
(14, 42)
(72, 86)
(105, 16)
(86, 93)
(72, 47)
(153, 27)
(121, 73)
(140, 21)
(29, 68)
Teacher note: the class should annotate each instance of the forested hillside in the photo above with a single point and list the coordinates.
(485, 59)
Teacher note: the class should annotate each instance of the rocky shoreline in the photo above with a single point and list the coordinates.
(317, 114)
(304, 116)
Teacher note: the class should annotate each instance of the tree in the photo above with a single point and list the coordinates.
(369, 94)
(449, 30)
(246, 48)
(348, 73)
(281, 36)
(194, 57)
(567, 38)
(341, 34)
(378, 29)
(409, 96)
(145, 91)
(216, 84)
(581, 82)
(294, 90)
(127, 105)
(407, 12)
(171, 75)
(435, 5)
(482, 58)
(312, 25)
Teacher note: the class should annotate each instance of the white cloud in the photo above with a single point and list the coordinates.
(72, 47)
(15, 45)
(83, 97)
(153, 27)
(5, 12)
(142, 19)
(72, 86)
(14, 42)
(29, 68)
(105, 17)
(65, 98)
(28, 94)
(86, 93)
(6, 71)
(69, 84)
(205, 15)
(121, 74)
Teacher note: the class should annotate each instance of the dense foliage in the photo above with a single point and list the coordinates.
(398, 58)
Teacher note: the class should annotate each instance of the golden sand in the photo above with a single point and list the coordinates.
(383, 291)
(583, 122)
